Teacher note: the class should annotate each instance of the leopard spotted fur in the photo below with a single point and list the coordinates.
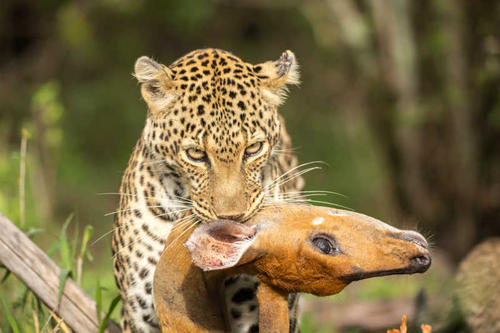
(213, 146)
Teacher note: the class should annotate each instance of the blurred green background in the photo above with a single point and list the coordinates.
(400, 99)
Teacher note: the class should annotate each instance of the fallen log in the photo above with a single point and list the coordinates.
(41, 275)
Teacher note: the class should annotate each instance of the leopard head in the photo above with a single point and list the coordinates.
(213, 119)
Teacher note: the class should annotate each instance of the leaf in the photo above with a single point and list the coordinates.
(24, 299)
(89, 230)
(65, 253)
(6, 275)
(63, 275)
(25, 133)
(32, 232)
(98, 299)
(10, 319)
(74, 242)
(53, 248)
(111, 308)
(65, 248)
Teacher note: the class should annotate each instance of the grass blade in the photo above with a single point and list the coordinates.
(32, 232)
(111, 308)
(98, 299)
(89, 230)
(5, 277)
(10, 318)
(54, 247)
(65, 273)
(65, 246)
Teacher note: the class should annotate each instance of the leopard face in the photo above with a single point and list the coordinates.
(213, 121)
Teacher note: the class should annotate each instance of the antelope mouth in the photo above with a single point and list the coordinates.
(418, 264)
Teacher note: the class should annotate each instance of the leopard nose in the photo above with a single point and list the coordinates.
(234, 216)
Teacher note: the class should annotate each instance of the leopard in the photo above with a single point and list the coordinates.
(213, 147)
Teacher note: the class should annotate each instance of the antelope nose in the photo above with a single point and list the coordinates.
(421, 263)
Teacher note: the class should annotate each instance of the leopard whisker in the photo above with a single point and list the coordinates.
(153, 162)
(122, 226)
(137, 240)
(183, 221)
(182, 199)
(173, 213)
(182, 224)
(300, 196)
(311, 202)
(105, 234)
(290, 171)
(181, 234)
(148, 197)
(131, 209)
(292, 177)
(315, 191)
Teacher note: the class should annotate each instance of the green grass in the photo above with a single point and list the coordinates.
(24, 311)
(21, 310)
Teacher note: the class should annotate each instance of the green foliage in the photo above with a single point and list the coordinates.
(10, 318)
(74, 28)
(112, 306)
(66, 85)
(64, 246)
(46, 102)
(87, 233)
(20, 306)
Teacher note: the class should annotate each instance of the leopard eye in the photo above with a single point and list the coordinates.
(254, 148)
(196, 155)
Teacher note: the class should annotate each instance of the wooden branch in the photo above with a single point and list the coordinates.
(41, 275)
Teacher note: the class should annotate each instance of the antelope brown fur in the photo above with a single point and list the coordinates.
(292, 248)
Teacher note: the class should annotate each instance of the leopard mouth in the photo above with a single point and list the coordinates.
(201, 215)
(207, 214)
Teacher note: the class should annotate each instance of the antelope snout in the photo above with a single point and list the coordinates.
(421, 261)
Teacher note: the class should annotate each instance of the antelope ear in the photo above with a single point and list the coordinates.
(276, 75)
(156, 83)
(220, 244)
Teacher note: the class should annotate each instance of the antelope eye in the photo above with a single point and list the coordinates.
(324, 244)
(196, 155)
(254, 148)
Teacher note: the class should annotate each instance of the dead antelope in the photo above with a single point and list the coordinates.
(292, 248)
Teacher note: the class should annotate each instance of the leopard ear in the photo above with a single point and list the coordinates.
(156, 83)
(276, 75)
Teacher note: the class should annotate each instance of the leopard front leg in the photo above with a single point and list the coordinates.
(242, 306)
(134, 264)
